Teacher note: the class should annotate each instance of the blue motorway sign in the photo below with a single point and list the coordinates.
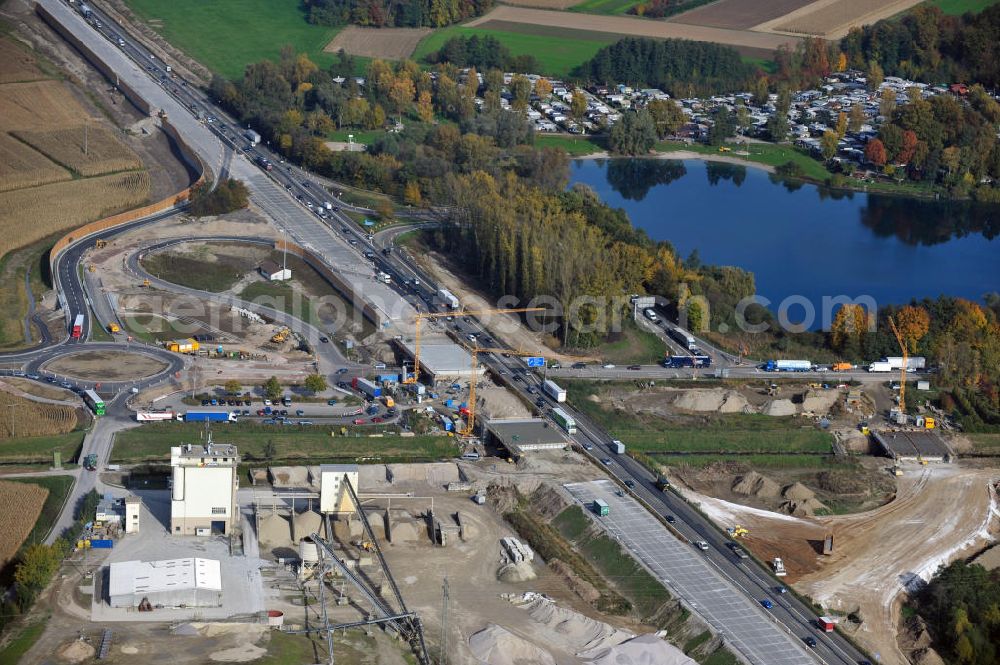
(535, 361)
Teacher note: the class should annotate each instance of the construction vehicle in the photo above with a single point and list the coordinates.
(365, 545)
(725, 148)
(738, 531)
(929, 422)
(415, 377)
(114, 328)
(183, 346)
(91, 268)
(280, 336)
(842, 367)
(100, 244)
(779, 567)
(145, 283)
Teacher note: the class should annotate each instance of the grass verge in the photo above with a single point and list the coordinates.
(151, 443)
(576, 146)
(19, 645)
(39, 449)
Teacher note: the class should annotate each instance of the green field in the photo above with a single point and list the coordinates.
(282, 297)
(959, 7)
(58, 487)
(39, 449)
(151, 443)
(227, 36)
(576, 146)
(604, 6)
(17, 647)
(634, 346)
(987, 444)
(557, 54)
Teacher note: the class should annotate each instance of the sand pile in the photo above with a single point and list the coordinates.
(306, 524)
(779, 407)
(572, 630)
(513, 573)
(716, 399)
(820, 401)
(495, 645)
(376, 520)
(798, 492)
(645, 649)
(754, 484)
(76, 652)
(403, 529)
(275, 530)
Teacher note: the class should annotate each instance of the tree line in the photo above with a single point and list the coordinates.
(398, 13)
(483, 53)
(961, 606)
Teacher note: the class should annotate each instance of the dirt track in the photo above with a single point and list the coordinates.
(940, 513)
(636, 27)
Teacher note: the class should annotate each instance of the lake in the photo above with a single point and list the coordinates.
(804, 240)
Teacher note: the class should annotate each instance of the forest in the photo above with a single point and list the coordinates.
(927, 45)
(394, 13)
(961, 606)
(684, 68)
(483, 53)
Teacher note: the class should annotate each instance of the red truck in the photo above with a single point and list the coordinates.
(77, 326)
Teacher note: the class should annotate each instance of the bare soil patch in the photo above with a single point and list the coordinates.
(106, 366)
(635, 26)
(389, 43)
(738, 14)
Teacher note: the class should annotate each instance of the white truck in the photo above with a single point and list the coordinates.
(553, 390)
(449, 298)
(618, 447)
(881, 366)
(154, 416)
(252, 136)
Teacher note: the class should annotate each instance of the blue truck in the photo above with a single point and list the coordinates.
(696, 360)
(787, 366)
(208, 415)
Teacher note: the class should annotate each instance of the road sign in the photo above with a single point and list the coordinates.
(535, 361)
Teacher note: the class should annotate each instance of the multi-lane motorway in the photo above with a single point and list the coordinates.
(283, 194)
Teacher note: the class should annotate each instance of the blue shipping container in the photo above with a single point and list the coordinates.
(388, 378)
(102, 544)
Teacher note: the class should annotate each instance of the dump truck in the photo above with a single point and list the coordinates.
(600, 507)
(842, 367)
(183, 345)
(114, 328)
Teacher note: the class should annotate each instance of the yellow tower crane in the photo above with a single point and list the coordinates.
(437, 315)
(902, 370)
(475, 351)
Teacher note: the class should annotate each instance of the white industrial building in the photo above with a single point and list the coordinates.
(203, 490)
(133, 505)
(333, 495)
(170, 583)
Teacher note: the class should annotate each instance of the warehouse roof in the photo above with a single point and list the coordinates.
(143, 577)
(444, 359)
(525, 434)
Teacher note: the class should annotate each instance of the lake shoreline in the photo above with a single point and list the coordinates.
(681, 155)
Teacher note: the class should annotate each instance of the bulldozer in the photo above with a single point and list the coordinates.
(100, 244)
(281, 336)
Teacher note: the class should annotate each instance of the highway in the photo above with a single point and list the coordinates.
(283, 197)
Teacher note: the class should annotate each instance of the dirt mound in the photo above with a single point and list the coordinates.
(577, 585)
(779, 407)
(306, 524)
(576, 631)
(516, 572)
(76, 652)
(820, 402)
(927, 657)
(754, 484)
(275, 530)
(798, 492)
(495, 645)
(503, 497)
(715, 399)
(805, 508)
(548, 501)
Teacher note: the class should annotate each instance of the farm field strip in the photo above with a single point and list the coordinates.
(18, 64)
(833, 18)
(104, 152)
(66, 205)
(738, 14)
(22, 166)
(386, 43)
(633, 26)
(22, 504)
(38, 105)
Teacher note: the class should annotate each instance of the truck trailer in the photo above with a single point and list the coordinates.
(448, 298)
(365, 386)
(618, 447)
(252, 136)
(696, 360)
(210, 416)
(787, 366)
(565, 420)
(913, 363)
(552, 389)
(154, 416)
(77, 329)
(600, 507)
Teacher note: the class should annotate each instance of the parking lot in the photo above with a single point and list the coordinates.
(744, 625)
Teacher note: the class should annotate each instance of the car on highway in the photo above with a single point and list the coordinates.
(630, 484)
(300, 412)
(780, 589)
(588, 446)
(579, 366)
(269, 421)
(702, 545)
(305, 422)
(608, 365)
(670, 519)
(34, 377)
(635, 367)
(532, 390)
(810, 641)
(331, 402)
(766, 602)
(540, 402)
(342, 370)
(606, 461)
(358, 421)
(324, 339)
